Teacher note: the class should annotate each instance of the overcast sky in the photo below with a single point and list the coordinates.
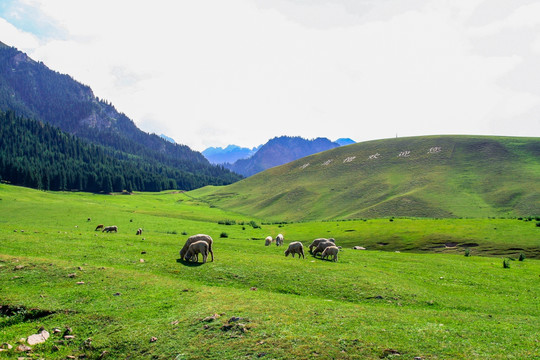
(214, 72)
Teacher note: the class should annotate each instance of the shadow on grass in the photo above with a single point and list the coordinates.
(189, 263)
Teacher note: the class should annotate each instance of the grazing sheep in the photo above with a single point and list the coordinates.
(195, 238)
(139, 232)
(295, 248)
(100, 226)
(268, 241)
(317, 241)
(321, 246)
(329, 251)
(196, 248)
(279, 240)
(110, 228)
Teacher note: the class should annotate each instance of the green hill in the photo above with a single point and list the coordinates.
(432, 176)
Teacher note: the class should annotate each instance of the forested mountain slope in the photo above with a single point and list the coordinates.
(32, 90)
(38, 155)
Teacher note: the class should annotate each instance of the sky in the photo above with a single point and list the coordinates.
(213, 72)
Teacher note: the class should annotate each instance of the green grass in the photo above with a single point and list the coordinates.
(418, 303)
(471, 176)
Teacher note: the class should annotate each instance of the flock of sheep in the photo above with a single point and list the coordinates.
(202, 244)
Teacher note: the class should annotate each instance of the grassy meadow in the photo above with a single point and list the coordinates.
(411, 294)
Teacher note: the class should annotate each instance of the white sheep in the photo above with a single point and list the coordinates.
(295, 248)
(268, 241)
(316, 242)
(195, 238)
(330, 251)
(321, 246)
(279, 240)
(196, 248)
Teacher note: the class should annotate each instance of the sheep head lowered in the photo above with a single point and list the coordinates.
(195, 238)
(295, 248)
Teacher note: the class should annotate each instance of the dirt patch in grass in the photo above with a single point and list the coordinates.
(469, 245)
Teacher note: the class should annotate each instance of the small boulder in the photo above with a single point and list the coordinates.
(211, 318)
(23, 348)
(38, 338)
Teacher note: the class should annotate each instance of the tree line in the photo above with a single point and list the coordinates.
(38, 155)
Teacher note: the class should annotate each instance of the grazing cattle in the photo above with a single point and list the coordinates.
(100, 226)
(268, 241)
(139, 232)
(110, 228)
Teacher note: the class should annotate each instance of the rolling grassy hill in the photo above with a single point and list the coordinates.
(121, 296)
(431, 176)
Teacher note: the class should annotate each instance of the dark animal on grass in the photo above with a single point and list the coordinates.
(195, 238)
(317, 241)
(295, 248)
(100, 226)
(110, 228)
(279, 240)
(321, 246)
(196, 248)
(139, 232)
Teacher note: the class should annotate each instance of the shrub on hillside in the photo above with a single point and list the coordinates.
(521, 256)
(223, 235)
(467, 252)
(506, 263)
(227, 222)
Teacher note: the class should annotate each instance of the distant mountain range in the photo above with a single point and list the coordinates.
(229, 154)
(279, 151)
(345, 141)
(232, 153)
(31, 90)
(169, 139)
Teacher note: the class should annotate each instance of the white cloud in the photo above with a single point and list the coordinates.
(211, 73)
(14, 37)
